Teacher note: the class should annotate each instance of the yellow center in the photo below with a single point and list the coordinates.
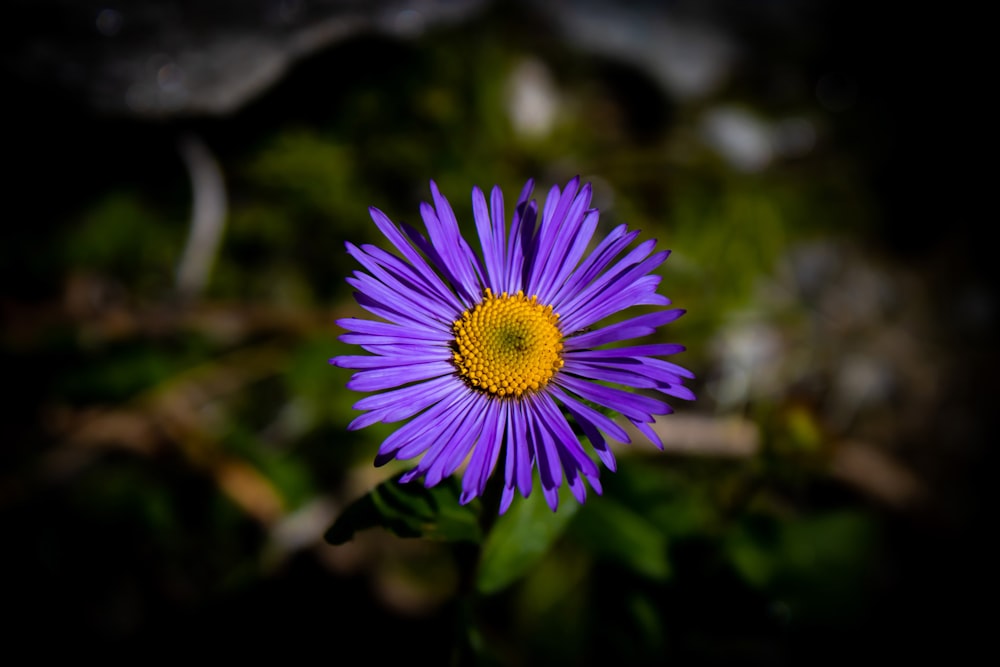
(508, 345)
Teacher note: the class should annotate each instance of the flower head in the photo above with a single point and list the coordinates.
(494, 351)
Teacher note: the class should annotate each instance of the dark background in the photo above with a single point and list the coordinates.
(116, 548)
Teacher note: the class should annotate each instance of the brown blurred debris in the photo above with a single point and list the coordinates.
(876, 474)
(696, 435)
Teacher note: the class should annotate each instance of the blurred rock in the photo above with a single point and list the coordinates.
(166, 58)
(689, 55)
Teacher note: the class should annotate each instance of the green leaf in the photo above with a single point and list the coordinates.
(519, 539)
(410, 510)
(613, 530)
(817, 564)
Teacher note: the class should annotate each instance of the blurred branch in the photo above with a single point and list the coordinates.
(176, 414)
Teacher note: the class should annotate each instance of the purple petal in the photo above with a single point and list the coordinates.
(653, 349)
(577, 312)
(415, 429)
(427, 287)
(506, 499)
(519, 241)
(436, 431)
(521, 439)
(627, 403)
(454, 443)
(648, 431)
(643, 325)
(491, 239)
(446, 238)
(566, 441)
(595, 262)
(581, 239)
(589, 421)
(372, 331)
(387, 378)
(366, 361)
(605, 373)
(553, 226)
(484, 457)
(549, 468)
(396, 237)
(399, 404)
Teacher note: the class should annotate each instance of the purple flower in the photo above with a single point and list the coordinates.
(490, 352)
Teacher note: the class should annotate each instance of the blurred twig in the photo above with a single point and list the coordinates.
(208, 216)
(177, 413)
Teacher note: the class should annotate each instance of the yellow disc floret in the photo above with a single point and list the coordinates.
(508, 345)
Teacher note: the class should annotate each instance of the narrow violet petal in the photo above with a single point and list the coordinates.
(677, 391)
(429, 350)
(452, 426)
(487, 451)
(633, 373)
(506, 499)
(635, 327)
(519, 247)
(492, 260)
(432, 430)
(455, 250)
(416, 428)
(630, 291)
(364, 361)
(549, 231)
(551, 496)
(434, 338)
(399, 315)
(549, 470)
(428, 287)
(510, 460)
(597, 441)
(575, 483)
(498, 238)
(410, 475)
(384, 285)
(465, 292)
(569, 218)
(655, 376)
(524, 446)
(418, 397)
(584, 413)
(650, 350)
(625, 273)
(378, 379)
(400, 302)
(445, 458)
(648, 431)
(565, 440)
(387, 330)
(628, 378)
(577, 466)
(427, 392)
(670, 367)
(595, 262)
(399, 240)
(627, 403)
(364, 421)
(581, 239)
